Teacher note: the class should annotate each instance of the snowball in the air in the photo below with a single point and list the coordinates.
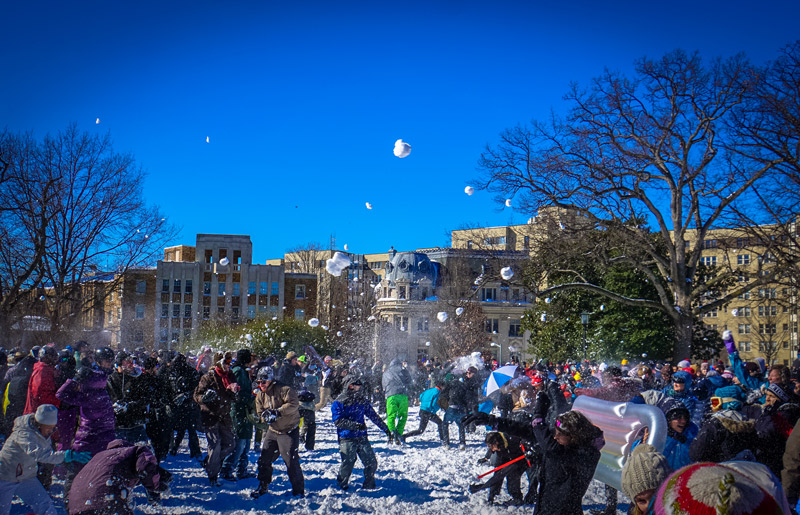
(508, 202)
(345, 247)
(548, 300)
(97, 121)
(283, 344)
(427, 344)
(338, 333)
(224, 261)
(337, 263)
(469, 190)
(248, 337)
(314, 322)
(506, 273)
(459, 311)
(644, 354)
(401, 148)
(543, 317)
(369, 206)
(208, 140)
(442, 316)
(735, 312)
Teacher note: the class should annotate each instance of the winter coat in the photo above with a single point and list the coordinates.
(790, 475)
(158, 395)
(348, 412)
(689, 401)
(311, 383)
(96, 425)
(24, 449)
(243, 405)
(676, 448)
(455, 395)
(105, 483)
(289, 375)
(283, 398)
(472, 390)
(41, 388)
(335, 382)
(773, 428)
(565, 471)
(708, 385)
(183, 381)
(17, 379)
(428, 400)
(722, 437)
(396, 379)
(219, 410)
(130, 391)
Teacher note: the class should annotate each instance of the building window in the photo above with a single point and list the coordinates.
(527, 242)
(768, 293)
(743, 259)
(221, 310)
(273, 310)
(176, 335)
(766, 311)
(422, 324)
(187, 335)
(744, 346)
(206, 288)
(469, 244)
(236, 289)
(492, 325)
(488, 294)
(251, 288)
(744, 328)
(187, 311)
(709, 260)
(766, 328)
(165, 285)
(495, 240)
(163, 333)
(176, 310)
(299, 291)
(299, 314)
(262, 288)
(164, 310)
(206, 312)
(744, 311)
(251, 311)
(275, 289)
(141, 287)
(515, 328)
(139, 311)
(709, 244)
(742, 242)
(138, 336)
(221, 289)
(177, 288)
(187, 288)
(712, 313)
(744, 296)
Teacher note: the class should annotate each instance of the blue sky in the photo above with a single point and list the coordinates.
(302, 101)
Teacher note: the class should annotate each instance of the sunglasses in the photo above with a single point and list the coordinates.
(261, 381)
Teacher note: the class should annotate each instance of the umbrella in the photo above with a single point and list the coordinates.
(498, 378)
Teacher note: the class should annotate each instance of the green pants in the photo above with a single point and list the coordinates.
(397, 411)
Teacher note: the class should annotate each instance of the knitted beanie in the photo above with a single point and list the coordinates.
(710, 489)
(778, 392)
(645, 469)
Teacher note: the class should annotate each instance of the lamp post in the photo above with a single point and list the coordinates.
(499, 353)
(585, 322)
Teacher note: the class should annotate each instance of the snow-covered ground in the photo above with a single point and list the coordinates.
(418, 478)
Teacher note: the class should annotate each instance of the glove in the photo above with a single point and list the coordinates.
(475, 487)
(482, 461)
(480, 418)
(270, 415)
(75, 456)
(209, 397)
(730, 346)
(120, 408)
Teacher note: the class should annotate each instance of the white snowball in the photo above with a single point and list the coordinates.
(469, 190)
(459, 311)
(345, 246)
(369, 206)
(208, 140)
(644, 354)
(548, 300)
(224, 261)
(248, 337)
(427, 344)
(401, 148)
(506, 273)
(314, 322)
(283, 345)
(442, 316)
(97, 121)
(543, 318)
(735, 312)
(338, 333)
(337, 264)
(508, 202)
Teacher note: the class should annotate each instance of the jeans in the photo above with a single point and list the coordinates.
(397, 413)
(424, 418)
(135, 434)
(30, 491)
(454, 415)
(284, 445)
(239, 458)
(349, 449)
(308, 433)
(220, 443)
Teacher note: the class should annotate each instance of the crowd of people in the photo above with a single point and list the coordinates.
(105, 421)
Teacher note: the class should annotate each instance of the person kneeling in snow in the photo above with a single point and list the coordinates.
(504, 449)
(103, 486)
(28, 445)
(348, 417)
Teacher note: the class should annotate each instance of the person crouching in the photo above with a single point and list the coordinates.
(504, 449)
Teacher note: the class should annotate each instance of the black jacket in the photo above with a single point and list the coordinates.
(128, 391)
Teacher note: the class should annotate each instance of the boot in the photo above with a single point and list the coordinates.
(213, 481)
(261, 490)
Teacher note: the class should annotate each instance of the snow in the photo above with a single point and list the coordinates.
(734, 312)
(508, 202)
(442, 316)
(208, 140)
(369, 206)
(314, 322)
(469, 190)
(97, 121)
(337, 264)
(506, 273)
(459, 311)
(224, 261)
(401, 148)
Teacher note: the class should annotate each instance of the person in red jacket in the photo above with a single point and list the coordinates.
(42, 390)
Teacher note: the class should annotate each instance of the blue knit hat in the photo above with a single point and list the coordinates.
(732, 397)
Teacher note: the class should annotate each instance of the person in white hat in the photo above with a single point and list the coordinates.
(28, 445)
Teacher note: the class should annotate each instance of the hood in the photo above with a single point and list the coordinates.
(95, 379)
(25, 425)
(738, 426)
(396, 362)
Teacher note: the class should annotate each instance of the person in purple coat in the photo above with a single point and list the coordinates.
(88, 392)
(104, 484)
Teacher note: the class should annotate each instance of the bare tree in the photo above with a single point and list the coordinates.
(652, 149)
(306, 258)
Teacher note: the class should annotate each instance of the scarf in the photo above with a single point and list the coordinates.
(226, 377)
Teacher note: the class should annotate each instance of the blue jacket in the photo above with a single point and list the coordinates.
(428, 400)
(348, 412)
(677, 452)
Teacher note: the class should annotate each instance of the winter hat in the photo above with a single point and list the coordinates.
(778, 392)
(728, 373)
(732, 397)
(244, 356)
(645, 469)
(677, 378)
(291, 354)
(712, 488)
(224, 359)
(47, 415)
(752, 367)
(762, 364)
(684, 364)
(265, 374)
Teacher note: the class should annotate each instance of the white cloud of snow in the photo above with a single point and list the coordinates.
(337, 264)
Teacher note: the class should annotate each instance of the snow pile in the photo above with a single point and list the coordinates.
(337, 264)
(401, 148)
(442, 316)
(506, 273)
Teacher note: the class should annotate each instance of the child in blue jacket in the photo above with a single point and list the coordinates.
(428, 406)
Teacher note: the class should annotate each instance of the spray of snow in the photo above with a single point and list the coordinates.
(248, 337)
(283, 345)
(401, 148)
(208, 140)
(506, 273)
(337, 264)
(464, 362)
(97, 121)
